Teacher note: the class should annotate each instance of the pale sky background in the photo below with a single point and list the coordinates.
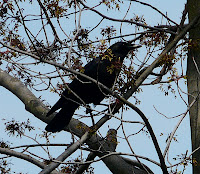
(11, 106)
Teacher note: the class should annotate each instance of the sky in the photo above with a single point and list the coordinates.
(150, 98)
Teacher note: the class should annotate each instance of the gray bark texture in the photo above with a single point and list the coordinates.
(115, 163)
(193, 82)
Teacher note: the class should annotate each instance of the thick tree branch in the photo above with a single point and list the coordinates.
(25, 157)
(28, 158)
(84, 167)
(38, 109)
(65, 154)
(138, 81)
(172, 44)
(123, 100)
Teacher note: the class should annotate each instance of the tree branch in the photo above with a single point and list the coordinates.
(154, 8)
(28, 158)
(124, 20)
(172, 44)
(137, 83)
(65, 154)
(25, 157)
(48, 19)
(39, 110)
(84, 167)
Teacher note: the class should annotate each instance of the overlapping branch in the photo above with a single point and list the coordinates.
(34, 106)
(138, 82)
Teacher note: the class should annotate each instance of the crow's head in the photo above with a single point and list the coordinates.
(121, 49)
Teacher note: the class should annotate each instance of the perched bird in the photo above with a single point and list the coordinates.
(111, 140)
(104, 69)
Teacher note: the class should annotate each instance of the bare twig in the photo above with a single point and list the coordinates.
(143, 3)
(65, 154)
(125, 20)
(48, 19)
(178, 124)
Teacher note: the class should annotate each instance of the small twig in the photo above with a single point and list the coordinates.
(38, 145)
(107, 155)
(178, 124)
(126, 138)
(65, 154)
(75, 35)
(143, 3)
(125, 20)
(84, 167)
(48, 19)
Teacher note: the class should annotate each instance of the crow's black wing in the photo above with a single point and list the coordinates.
(77, 86)
(101, 69)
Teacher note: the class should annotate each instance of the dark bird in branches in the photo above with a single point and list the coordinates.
(81, 91)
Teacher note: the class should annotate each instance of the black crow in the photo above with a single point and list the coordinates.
(104, 69)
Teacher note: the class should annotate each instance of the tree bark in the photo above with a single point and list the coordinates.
(193, 82)
(33, 105)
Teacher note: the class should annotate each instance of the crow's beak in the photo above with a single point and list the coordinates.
(134, 46)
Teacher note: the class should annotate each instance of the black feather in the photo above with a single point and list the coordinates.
(86, 90)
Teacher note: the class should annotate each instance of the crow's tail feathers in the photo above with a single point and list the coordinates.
(57, 106)
(61, 119)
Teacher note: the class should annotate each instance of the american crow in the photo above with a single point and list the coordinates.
(104, 69)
